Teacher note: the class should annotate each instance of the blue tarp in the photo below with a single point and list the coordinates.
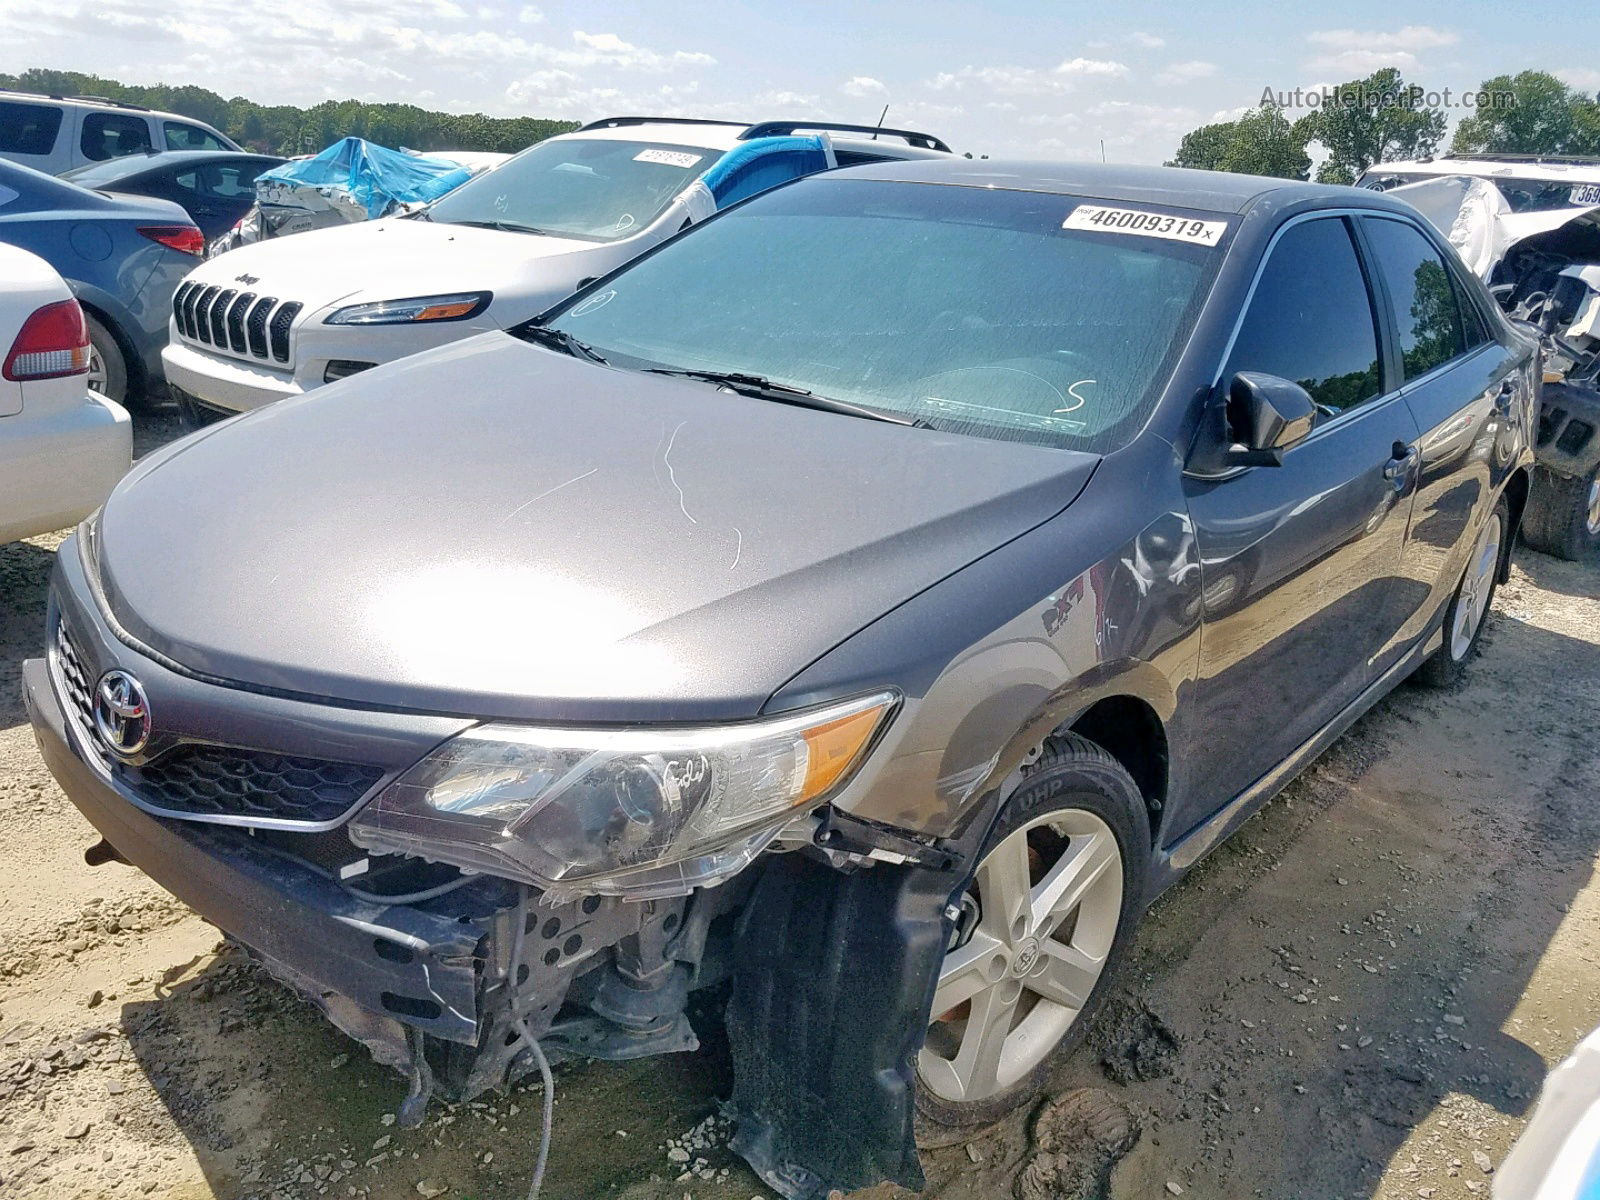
(761, 163)
(376, 176)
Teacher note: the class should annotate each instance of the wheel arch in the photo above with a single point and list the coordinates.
(1128, 728)
(132, 361)
(1516, 490)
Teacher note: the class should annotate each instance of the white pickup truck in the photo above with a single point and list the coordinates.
(278, 318)
(62, 447)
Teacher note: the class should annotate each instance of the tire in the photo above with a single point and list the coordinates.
(1077, 805)
(108, 369)
(1563, 516)
(1468, 610)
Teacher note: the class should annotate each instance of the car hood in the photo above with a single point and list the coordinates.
(497, 530)
(396, 258)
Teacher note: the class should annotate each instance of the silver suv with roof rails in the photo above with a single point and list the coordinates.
(56, 133)
(278, 318)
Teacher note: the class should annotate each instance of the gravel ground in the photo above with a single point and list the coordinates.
(1358, 996)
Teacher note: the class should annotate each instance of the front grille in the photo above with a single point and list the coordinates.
(219, 317)
(222, 781)
(255, 326)
(202, 313)
(79, 688)
(234, 320)
(281, 320)
(179, 314)
(200, 780)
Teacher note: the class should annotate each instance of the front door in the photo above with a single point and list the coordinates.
(1300, 563)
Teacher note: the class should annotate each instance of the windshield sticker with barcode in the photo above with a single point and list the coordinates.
(670, 158)
(1100, 219)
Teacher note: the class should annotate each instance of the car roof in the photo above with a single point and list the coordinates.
(134, 163)
(728, 135)
(1554, 169)
(100, 102)
(1176, 187)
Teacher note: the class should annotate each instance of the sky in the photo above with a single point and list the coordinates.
(1005, 78)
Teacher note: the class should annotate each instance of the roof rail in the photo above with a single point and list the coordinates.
(924, 141)
(620, 122)
(106, 100)
(1579, 160)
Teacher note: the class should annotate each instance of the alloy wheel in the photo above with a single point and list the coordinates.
(1476, 588)
(1048, 903)
(96, 381)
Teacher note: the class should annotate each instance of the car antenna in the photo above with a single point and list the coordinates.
(883, 116)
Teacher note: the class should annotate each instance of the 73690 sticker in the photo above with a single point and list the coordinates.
(1100, 219)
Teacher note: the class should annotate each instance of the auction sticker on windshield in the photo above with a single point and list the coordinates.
(670, 158)
(1100, 219)
(1588, 193)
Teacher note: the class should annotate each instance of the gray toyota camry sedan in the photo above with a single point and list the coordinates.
(862, 605)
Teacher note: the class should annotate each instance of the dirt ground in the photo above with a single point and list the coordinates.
(1358, 996)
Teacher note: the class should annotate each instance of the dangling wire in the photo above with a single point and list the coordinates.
(549, 1107)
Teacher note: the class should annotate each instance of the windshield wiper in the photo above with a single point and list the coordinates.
(559, 339)
(748, 384)
(502, 226)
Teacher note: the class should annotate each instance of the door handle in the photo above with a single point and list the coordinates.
(1400, 465)
(1503, 399)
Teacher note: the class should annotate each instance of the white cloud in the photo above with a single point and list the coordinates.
(1148, 40)
(1091, 66)
(1188, 72)
(864, 85)
(529, 15)
(1364, 51)
(1583, 78)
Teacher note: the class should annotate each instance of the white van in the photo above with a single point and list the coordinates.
(56, 133)
(280, 317)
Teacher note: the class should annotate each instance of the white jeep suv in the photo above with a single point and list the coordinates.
(277, 318)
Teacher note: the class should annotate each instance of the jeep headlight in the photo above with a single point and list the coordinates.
(618, 811)
(456, 306)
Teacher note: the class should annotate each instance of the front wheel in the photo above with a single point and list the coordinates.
(1045, 923)
(1468, 610)
(1564, 514)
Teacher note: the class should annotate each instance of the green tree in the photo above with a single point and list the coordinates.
(287, 129)
(1377, 119)
(1531, 112)
(1262, 142)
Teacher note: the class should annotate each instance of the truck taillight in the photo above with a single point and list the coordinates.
(54, 341)
(177, 237)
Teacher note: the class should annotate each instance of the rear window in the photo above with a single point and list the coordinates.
(980, 311)
(28, 128)
(181, 136)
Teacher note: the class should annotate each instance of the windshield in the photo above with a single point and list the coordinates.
(599, 189)
(968, 309)
(1522, 195)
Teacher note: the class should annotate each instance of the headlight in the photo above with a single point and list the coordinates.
(457, 306)
(625, 811)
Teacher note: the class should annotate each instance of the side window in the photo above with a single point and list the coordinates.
(189, 181)
(1311, 318)
(231, 183)
(180, 136)
(1477, 333)
(112, 135)
(1426, 313)
(28, 128)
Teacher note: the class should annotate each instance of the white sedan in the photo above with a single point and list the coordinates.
(62, 448)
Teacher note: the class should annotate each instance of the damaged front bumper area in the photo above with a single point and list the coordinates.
(435, 988)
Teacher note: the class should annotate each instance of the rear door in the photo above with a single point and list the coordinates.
(1300, 563)
(1460, 384)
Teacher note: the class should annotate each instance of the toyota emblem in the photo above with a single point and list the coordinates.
(121, 713)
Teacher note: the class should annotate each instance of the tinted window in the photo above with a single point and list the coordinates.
(971, 309)
(1311, 320)
(28, 128)
(112, 135)
(190, 137)
(219, 183)
(1426, 314)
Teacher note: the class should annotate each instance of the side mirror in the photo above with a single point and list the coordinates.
(1265, 416)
